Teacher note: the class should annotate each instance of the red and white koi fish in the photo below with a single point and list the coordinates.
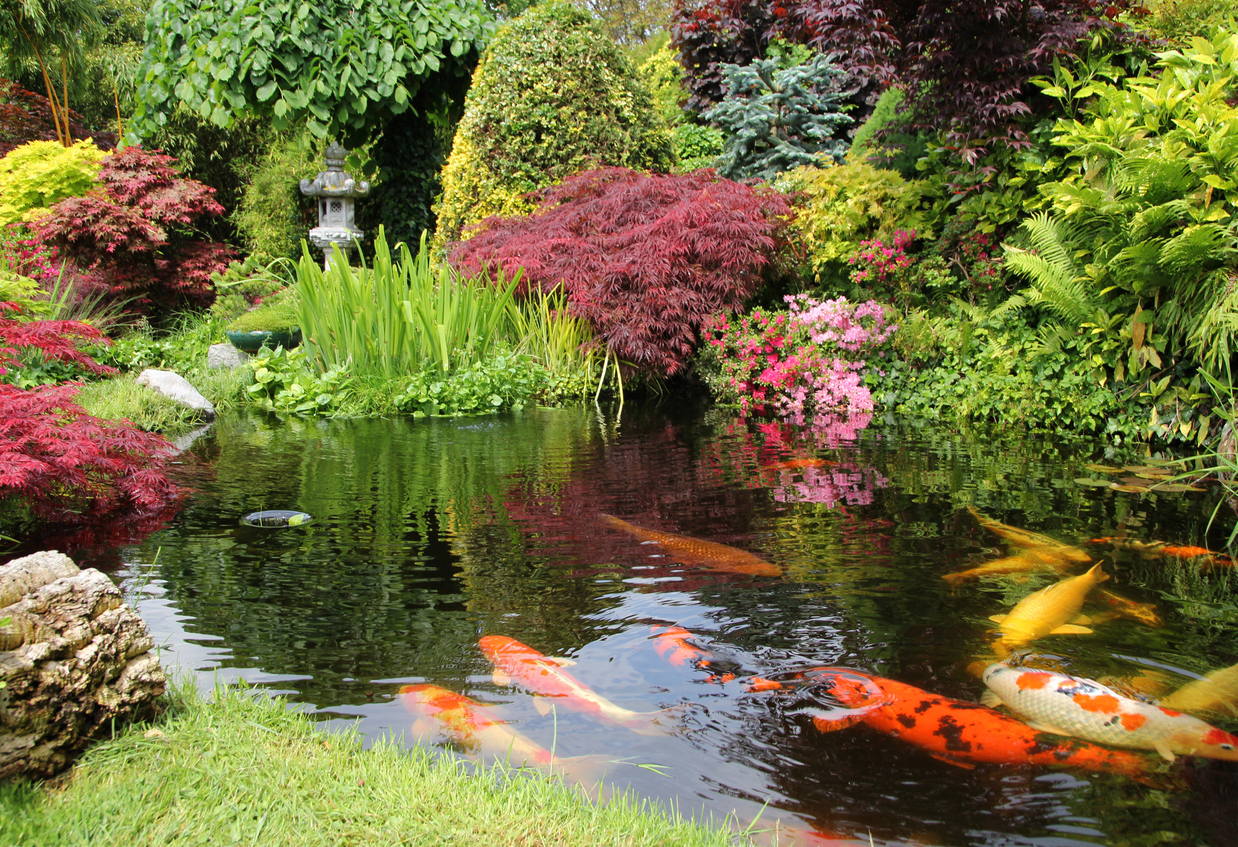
(471, 725)
(545, 676)
(1083, 708)
(954, 731)
(674, 643)
(694, 551)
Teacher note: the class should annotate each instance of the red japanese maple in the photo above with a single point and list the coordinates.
(59, 461)
(131, 236)
(644, 258)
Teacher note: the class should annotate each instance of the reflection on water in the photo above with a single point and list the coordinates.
(428, 535)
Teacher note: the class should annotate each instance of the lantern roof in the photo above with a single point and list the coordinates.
(334, 181)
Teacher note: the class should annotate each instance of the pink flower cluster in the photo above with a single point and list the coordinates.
(26, 256)
(802, 364)
(881, 264)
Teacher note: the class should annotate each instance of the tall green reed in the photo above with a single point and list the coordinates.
(400, 316)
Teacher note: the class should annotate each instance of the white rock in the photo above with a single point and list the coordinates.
(172, 384)
(221, 356)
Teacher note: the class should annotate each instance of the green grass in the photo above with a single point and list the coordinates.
(245, 770)
(123, 399)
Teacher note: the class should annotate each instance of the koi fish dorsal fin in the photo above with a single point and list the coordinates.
(997, 618)
(1081, 620)
(1071, 629)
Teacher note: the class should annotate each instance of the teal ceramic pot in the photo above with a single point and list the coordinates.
(252, 342)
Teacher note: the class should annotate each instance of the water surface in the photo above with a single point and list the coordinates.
(428, 535)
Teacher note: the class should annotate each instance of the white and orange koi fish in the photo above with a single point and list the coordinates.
(1083, 708)
(471, 725)
(545, 676)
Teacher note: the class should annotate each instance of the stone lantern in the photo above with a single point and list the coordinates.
(335, 191)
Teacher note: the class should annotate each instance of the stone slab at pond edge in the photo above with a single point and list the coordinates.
(173, 385)
(75, 662)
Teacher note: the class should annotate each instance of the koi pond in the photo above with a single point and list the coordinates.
(434, 546)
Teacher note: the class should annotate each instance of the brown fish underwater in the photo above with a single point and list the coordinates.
(694, 551)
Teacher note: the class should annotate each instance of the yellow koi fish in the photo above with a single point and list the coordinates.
(1031, 559)
(544, 676)
(1082, 708)
(1046, 612)
(1217, 692)
(1125, 607)
(1024, 538)
(694, 551)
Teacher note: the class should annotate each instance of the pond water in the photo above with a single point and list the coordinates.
(428, 535)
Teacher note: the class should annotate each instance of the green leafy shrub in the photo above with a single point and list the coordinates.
(663, 77)
(1142, 240)
(552, 96)
(839, 207)
(282, 382)
(409, 156)
(777, 118)
(273, 215)
(39, 174)
(885, 138)
(696, 146)
(1181, 20)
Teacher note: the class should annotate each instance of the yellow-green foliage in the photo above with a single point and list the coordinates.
(15, 288)
(1180, 20)
(269, 216)
(552, 96)
(39, 174)
(663, 76)
(841, 206)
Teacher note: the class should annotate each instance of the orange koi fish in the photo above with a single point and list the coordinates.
(955, 731)
(1046, 612)
(545, 676)
(801, 464)
(1200, 556)
(1083, 708)
(1125, 607)
(1024, 538)
(694, 551)
(1031, 559)
(674, 643)
(1217, 692)
(472, 725)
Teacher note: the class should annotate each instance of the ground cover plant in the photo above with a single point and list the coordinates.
(645, 259)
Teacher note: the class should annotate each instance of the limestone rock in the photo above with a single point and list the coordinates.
(172, 384)
(74, 662)
(224, 356)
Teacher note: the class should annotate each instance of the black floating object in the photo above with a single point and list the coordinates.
(276, 518)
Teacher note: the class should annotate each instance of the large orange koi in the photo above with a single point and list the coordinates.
(1082, 708)
(694, 551)
(545, 676)
(954, 731)
(675, 644)
(472, 725)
